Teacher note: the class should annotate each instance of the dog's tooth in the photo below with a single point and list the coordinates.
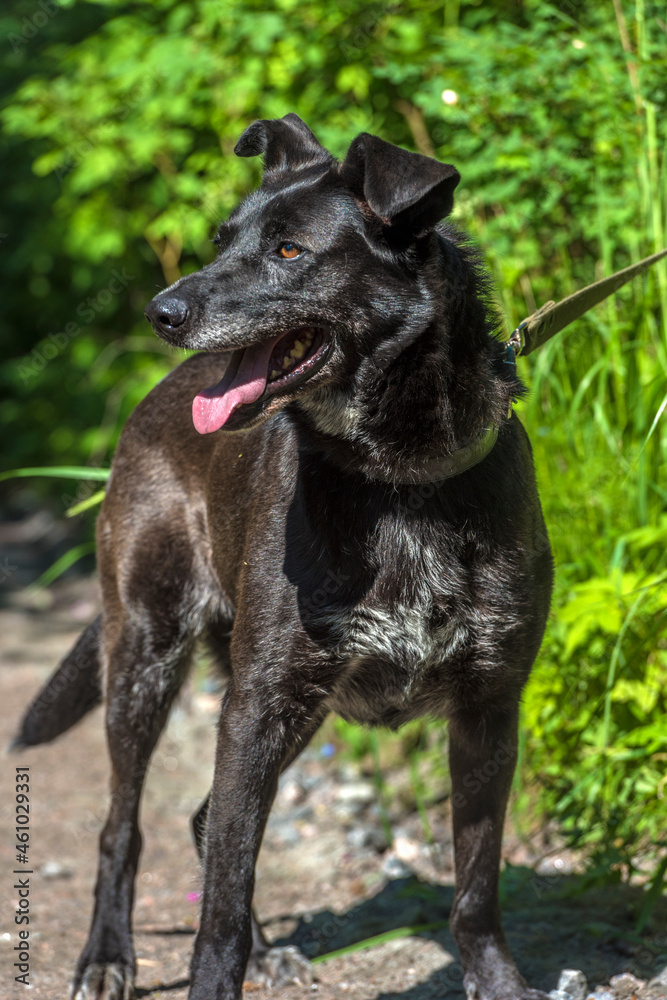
(286, 363)
(274, 373)
(298, 350)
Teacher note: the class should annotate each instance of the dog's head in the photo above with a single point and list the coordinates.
(318, 262)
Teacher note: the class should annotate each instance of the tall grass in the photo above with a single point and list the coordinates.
(595, 709)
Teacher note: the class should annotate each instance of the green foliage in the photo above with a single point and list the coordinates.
(120, 121)
(595, 711)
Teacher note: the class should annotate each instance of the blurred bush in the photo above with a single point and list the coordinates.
(120, 121)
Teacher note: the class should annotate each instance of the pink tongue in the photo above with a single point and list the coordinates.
(243, 382)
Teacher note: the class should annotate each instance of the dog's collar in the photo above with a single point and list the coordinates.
(435, 470)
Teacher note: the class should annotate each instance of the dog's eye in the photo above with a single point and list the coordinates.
(289, 251)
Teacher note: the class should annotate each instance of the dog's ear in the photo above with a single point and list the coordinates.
(286, 143)
(406, 190)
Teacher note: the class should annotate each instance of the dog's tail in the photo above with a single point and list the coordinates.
(71, 692)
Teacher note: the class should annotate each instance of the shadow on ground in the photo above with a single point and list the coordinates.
(552, 922)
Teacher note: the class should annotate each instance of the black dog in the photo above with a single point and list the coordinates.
(370, 536)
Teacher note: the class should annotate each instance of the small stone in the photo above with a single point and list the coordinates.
(601, 994)
(346, 815)
(348, 772)
(301, 814)
(660, 979)
(290, 793)
(287, 832)
(54, 869)
(395, 868)
(560, 995)
(310, 781)
(406, 849)
(367, 835)
(626, 982)
(280, 967)
(354, 792)
(573, 981)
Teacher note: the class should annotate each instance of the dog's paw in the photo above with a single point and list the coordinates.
(279, 967)
(90, 982)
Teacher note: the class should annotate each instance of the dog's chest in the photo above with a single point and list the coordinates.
(394, 660)
(417, 635)
(396, 644)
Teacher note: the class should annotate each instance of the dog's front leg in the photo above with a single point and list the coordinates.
(482, 757)
(259, 729)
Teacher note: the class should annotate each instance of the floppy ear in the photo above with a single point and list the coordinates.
(287, 143)
(406, 190)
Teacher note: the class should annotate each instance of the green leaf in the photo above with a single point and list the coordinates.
(378, 939)
(91, 501)
(61, 565)
(58, 472)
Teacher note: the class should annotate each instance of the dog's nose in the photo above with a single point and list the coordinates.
(167, 313)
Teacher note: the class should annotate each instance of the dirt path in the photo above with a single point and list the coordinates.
(325, 877)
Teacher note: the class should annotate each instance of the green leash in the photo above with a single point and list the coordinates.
(551, 318)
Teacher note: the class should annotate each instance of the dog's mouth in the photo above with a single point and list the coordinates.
(254, 374)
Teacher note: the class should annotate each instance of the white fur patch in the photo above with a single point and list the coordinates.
(390, 657)
(401, 635)
(334, 414)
